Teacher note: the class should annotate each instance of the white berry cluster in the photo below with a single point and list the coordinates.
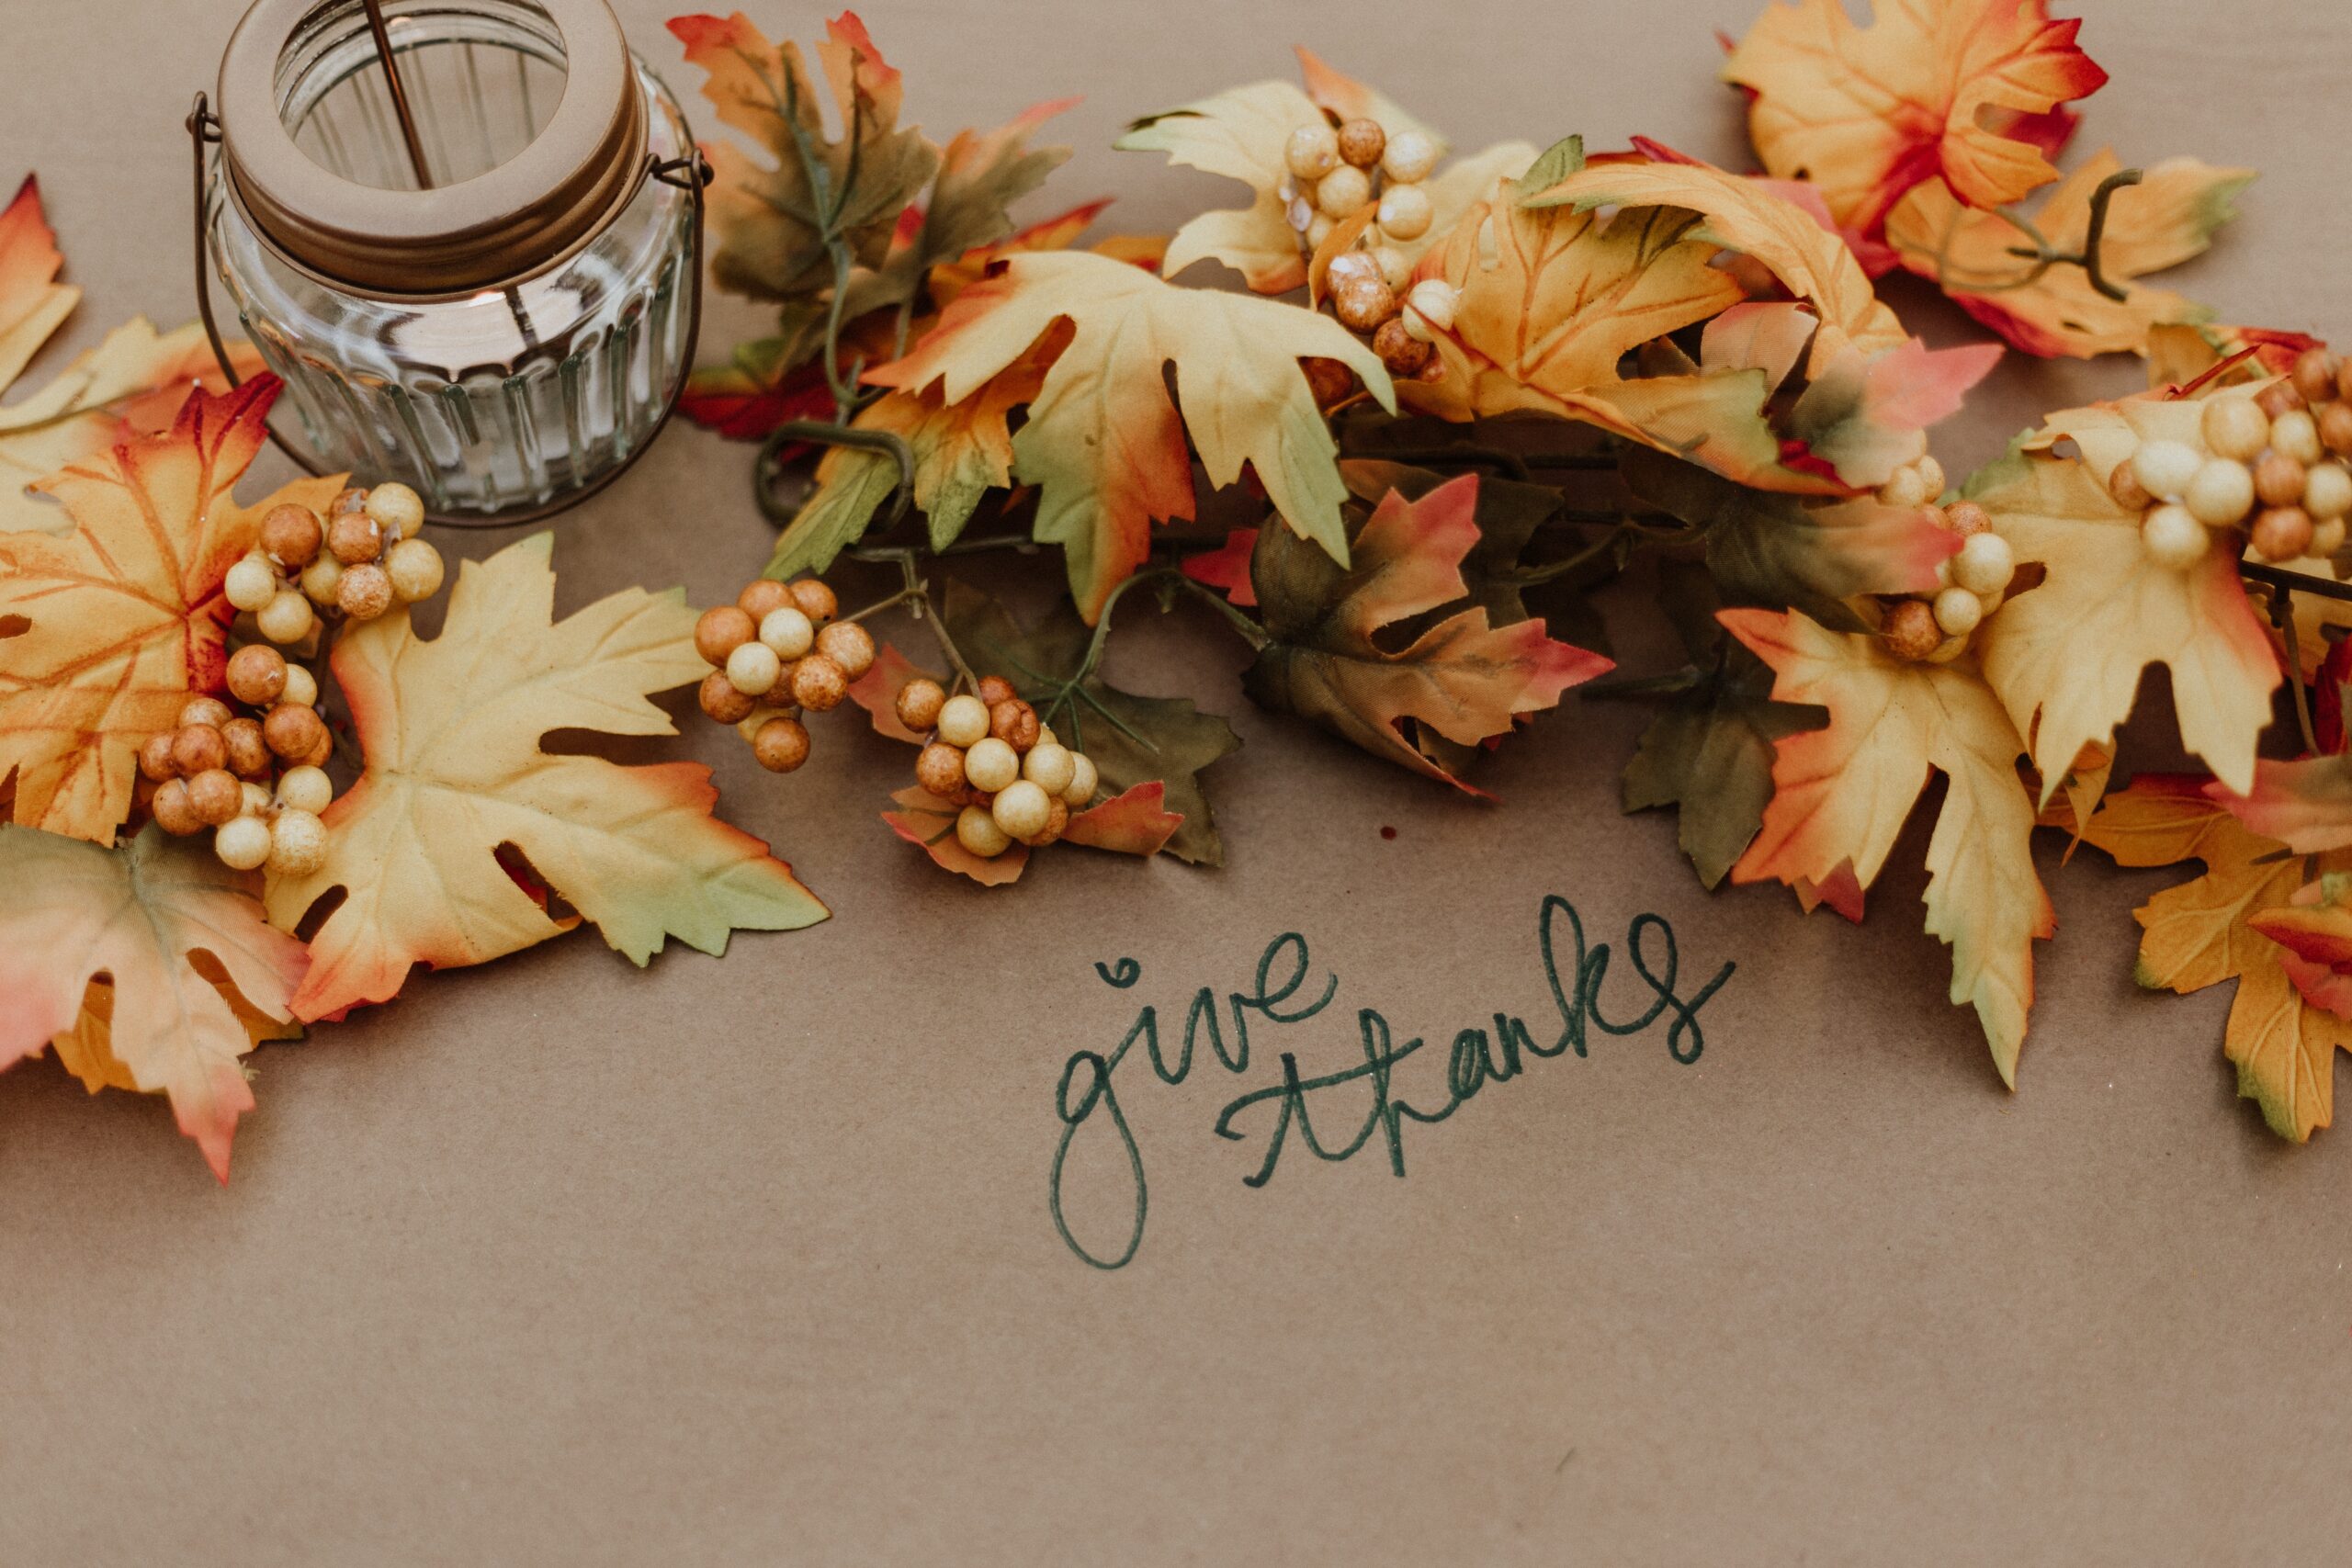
(371, 560)
(2271, 463)
(1333, 175)
(1970, 586)
(777, 653)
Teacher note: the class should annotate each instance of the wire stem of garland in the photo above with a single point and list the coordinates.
(2044, 256)
(767, 468)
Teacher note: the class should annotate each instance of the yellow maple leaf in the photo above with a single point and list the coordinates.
(451, 728)
(1842, 794)
(1242, 134)
(105, 631)
(2067, 656)
(143, 965)
(1929, 88)
(1104, 442)
(2201, 933)
(2054, 311)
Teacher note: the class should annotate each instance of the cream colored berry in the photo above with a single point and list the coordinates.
(1318, 229)
(250, 584)
(1393, 265)
(1430, 306)
(365, 593)
(1944, 652)
(787, 631)
(396, 508)
(1312, 151)
(253, 800)
(2172, 538)
(1958, 611)
(963, 720)
(1931, 475)
(297, 843)
(323, 579)
(288, 618)
(1905, 490)
(1350, 264)
(1046, 736)
(753, 669)
(209, 712)
(2296, 434)
(1404, 212)
(306, 789)
(2327, 491)
(2327, 537)
(1022, 809)
(415, 568)
(301, 687)
(1985, 564)
(242, 844)
(1342, 191)
(2234, 428)
(2221, 493)
(1050, 768)
(1409, 157)
(2165, 467)
(990, 764)
(1083, 782)
(977, 830)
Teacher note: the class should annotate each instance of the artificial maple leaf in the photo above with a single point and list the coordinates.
(1226, 568)
(2204, 933)
(2054, 311)
(106, 631)
(1242, 134)
(1464, 678)
(1104, 442)
(451, 728)
(1778, 551)
(1843, 792)
(1955, 88)
(1134, 740)
(163, 924)
(2182, 353)
(771, 221)
(136, 376)
(2067, 656)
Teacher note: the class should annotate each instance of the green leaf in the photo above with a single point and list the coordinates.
(1132, 740)
(851, 482)
(1563, 158)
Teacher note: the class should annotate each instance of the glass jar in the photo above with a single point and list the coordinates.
(485, 290)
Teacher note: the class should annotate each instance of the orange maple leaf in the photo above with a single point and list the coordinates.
(1964, 89)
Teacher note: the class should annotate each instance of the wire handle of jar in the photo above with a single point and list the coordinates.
(691, 173)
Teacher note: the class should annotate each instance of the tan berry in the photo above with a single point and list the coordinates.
(2327, 493)
(242, 844)
(250, 584)
(297, 843)
(365, 593)
(1022, 809)
(1400, 350)
(848, 645)
(2283, 533)
(155, 758)
(1967, 519)
(990, 764)
(301, 687)
(1050, 768)
(306, 789)
(415, 568)
(818, 685)
(293, 732)
(2128, 492)
(247, 753)
(1911, 631)
(721, 701)
(215, 796)
(352, 499)
(322, 749)
(197, 748)
(2343, 380)
(291, 535)
(2221, 493)
(354, 537)
(2234, 428)
(1015, 722)
(2315, 375)
(174, 814)
(1363, 303)
(919, 703)
(1362, 142)
(964, 718)
(2335, 428)
(722, 629)
(1083, 782)
(2279, 397)
(397, 508)
(321, 580)
(977, 832)
(761, 597)
(2327, 537)
(1329, 380)
(2278, 480)
(995, 689)
(1340, 193)
(2296, 435)
(781, 745)
(939, 768)
(1312, 151)
(1057, 824)
(210, 711)
(816, 600)
(287, 618)
(256, 675)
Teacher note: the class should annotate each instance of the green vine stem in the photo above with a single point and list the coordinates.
(767, 466)
(2043, 254)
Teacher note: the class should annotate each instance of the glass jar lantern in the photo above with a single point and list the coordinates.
(467, 234)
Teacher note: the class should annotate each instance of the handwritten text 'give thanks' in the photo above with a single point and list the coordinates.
(1088, 1093)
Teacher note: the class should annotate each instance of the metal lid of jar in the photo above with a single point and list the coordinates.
(491, 230)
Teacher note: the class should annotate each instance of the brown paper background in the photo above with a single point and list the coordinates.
(557, 1262)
